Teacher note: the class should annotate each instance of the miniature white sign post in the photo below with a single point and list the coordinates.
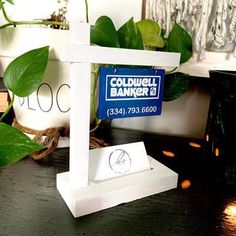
(85, 192)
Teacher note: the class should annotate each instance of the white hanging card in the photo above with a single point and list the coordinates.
(115, 161)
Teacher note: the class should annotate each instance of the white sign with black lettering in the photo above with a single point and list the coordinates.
(110, 162)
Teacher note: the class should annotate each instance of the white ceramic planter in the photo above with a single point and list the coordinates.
(49, 105)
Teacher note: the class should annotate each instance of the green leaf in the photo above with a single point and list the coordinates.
(103, 33)
(180, 41)
(1, 4)
(10, 1)
(130, 36)
(14, 145)
(176, 84)
(24, 74)
(151, 33)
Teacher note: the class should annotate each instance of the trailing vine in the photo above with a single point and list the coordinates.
(11, 22)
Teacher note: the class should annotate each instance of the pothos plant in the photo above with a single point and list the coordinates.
(144, 35)
(25, 73)
(22, 77)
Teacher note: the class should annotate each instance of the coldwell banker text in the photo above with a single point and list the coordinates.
(132, 87)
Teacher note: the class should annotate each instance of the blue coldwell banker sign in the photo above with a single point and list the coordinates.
(129, 92)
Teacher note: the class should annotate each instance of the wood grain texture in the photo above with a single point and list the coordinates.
(31, 205)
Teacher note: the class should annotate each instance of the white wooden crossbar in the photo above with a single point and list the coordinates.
(120, 56)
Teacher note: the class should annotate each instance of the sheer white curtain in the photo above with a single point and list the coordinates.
(212, 23)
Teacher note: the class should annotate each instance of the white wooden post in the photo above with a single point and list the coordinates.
(80, 82)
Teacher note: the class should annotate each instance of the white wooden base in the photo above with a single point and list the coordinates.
(102, 195)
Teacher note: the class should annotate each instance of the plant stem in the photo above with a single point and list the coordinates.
(8, 108)
(87, 14)
(5, 14)
(14, 23)
(172, 71)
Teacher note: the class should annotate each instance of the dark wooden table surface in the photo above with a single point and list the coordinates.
(31, 205)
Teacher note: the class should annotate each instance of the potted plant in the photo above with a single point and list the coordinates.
(145, 34)
(21, 77)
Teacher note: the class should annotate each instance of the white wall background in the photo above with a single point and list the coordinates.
(119, 10)
(31, 9)
(186, 116)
